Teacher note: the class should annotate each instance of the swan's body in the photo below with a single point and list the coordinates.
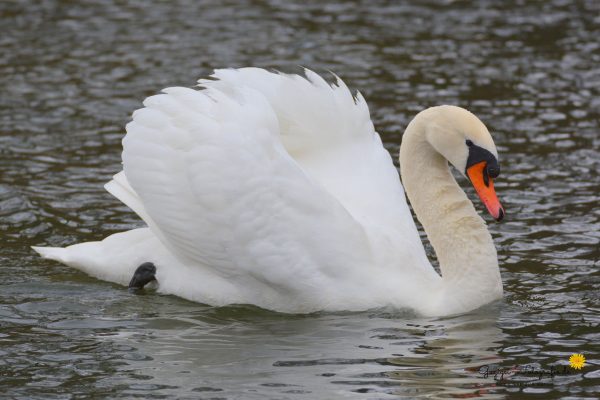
(275, 190)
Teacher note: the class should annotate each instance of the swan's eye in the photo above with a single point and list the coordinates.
(469, 143)
(493, 170)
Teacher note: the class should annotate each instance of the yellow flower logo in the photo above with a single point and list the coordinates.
(577, 361)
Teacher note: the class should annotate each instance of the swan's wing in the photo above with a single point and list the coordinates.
(312, 114)
(122, 190)
(221, 190)
(329, 132)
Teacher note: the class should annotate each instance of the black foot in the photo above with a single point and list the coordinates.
(143, 275)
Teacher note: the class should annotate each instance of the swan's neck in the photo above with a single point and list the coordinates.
(459, 236)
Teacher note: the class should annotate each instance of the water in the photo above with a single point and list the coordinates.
(71, 74)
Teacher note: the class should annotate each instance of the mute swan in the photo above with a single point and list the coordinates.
(275, 190)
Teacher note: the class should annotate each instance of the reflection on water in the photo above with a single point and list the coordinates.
(71, 75)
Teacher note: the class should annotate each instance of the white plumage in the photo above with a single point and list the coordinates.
(268, 189)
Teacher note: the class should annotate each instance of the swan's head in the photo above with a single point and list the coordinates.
(465, 142)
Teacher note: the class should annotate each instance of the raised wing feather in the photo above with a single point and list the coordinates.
(312, 114)
(330, 134)
(222, 191)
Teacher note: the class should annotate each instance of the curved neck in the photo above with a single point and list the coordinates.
(459, 236)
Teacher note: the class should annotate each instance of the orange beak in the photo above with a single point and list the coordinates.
(484, 186)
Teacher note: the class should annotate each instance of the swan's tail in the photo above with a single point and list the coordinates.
(113, 259)
(52, 253)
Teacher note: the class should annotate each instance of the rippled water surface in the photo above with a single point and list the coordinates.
(72, 72)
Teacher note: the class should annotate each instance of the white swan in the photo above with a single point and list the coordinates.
(275, 190)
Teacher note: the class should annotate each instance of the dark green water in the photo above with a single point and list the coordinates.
(71, 74)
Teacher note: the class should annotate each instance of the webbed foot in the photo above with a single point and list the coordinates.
(143, 275)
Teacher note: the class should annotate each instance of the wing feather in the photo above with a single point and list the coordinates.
(221, 189)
